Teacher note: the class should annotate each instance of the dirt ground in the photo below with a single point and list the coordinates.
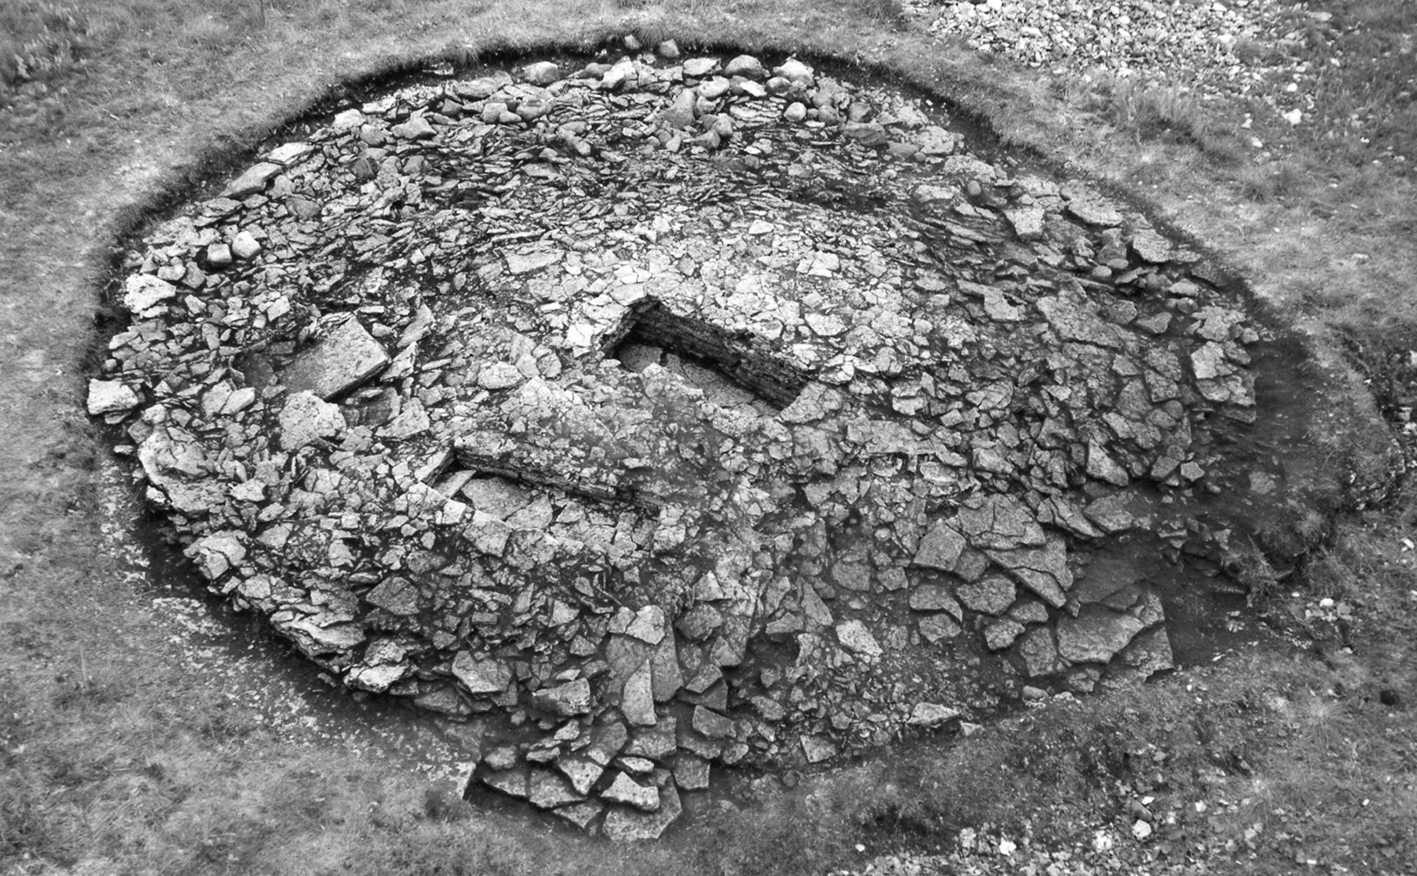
(123, 749)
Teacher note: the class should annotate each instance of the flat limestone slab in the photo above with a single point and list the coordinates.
(346, 357)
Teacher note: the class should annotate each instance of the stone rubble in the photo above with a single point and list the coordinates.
(675, 414)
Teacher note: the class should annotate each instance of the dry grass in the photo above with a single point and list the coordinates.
(115, 757)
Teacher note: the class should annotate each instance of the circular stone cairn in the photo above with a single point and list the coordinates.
(657, 415)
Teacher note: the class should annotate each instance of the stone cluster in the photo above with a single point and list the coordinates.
(667, 413)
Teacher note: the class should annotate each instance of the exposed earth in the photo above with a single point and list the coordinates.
(658, 414)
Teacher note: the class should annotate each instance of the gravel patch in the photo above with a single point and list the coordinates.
(1214, 48)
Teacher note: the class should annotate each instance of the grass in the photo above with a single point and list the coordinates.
(115, 757)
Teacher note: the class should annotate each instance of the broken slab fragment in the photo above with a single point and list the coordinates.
(931, 715)
(144, 294)
(481, 676)
(306, 419)
(630, 792)
(854, 637)
(1096, 634)
(627, 825)
(571, 698)
(343, 359)
(110, 396)
(253, 181)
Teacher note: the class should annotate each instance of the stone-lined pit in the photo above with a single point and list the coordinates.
(664, 414)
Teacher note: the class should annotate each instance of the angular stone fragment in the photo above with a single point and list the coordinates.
(395, 595)
(1000, 634)
(245, 245)
(933, 597)
(680, 114)
(531, 260)
(1027, 222)
(566, 700)
(1043, 570)
(1149, 652)
(1096, 634)
(1040, 655)
(582, 772)
(306, 419)
(999, 521)
(110, 396)
(931, 715)
(992, 594)
(690, 772)
(144, 294)
(698, 68)
(854, 637)
(254, 180)
(218, 553)
(630, 792)
(711, 723)
(343, 359)
(514, 782)
(547, 790)
(624, 825)
(1094, 211)
(938, 627)
(416, 128)
(637, 697)
(582, 815)
(287, 154)
(940, 548)
(480, 675)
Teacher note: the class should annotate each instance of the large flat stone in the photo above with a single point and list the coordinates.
(343, 359)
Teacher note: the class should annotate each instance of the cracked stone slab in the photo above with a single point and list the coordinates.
(343, 359)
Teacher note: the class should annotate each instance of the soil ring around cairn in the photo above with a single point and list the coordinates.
(662, 415)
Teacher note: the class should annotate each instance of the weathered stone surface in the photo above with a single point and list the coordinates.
(343, 359)
(934, 597)
(1002, 633)
(745, 65)
(541, 72)
(110, 396)
(1096, 634)
(1040, 655)
(566, 700)
(547, 790)
(245, 246)
(999, 521)
(625, 825)
(854, 637)
(626, 790)
(306, 419)
(253, 181)
(1043, 570)
(931, 715)
(940, 548)
(637, 698)
(817, 749)
(481, 676)
(582, 772)
(990, 595)
(938, 627)
(144, 294)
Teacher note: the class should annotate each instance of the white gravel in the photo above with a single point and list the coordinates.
(1213, 47)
